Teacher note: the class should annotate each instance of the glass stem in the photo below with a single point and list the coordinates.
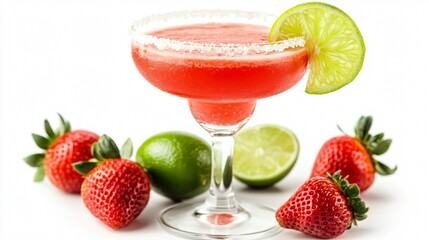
(220, 207)
(221, 197)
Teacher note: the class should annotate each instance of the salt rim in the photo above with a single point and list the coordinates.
(138, 33)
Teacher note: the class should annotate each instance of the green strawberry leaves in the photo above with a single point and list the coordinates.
(44, 142)
(65, 126)
(41, 142)
(104, 149)
(362, 127)
(127, 149)
(359, 209)
(40, 174)
(35, 160)
(375, 145)
(352, 193)
(48, 129)
(382, 147)
(384, 170)
(85, 167)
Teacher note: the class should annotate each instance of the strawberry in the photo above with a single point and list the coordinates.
(61, 148)
(354, 156)
(115, 189)
(323, 207)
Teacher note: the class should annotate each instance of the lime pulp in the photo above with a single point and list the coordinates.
(264, 154)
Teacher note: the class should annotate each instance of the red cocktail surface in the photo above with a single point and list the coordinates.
(222, 89)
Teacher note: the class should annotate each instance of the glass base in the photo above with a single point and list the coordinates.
(251, 222)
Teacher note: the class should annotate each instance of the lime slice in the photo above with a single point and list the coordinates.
(264, 154)
(333, 40)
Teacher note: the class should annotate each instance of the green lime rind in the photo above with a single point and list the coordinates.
(178, 164)
(264, 155)
(334, 42)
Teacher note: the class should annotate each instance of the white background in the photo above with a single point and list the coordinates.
(73, 57)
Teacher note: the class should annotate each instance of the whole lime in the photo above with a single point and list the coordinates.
(177, 163)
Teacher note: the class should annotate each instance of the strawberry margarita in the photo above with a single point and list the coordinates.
(222, 86)
(222, 62)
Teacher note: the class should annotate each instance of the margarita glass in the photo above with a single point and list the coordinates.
(222, 63)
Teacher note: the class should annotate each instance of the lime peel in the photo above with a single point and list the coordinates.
(178, 164)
